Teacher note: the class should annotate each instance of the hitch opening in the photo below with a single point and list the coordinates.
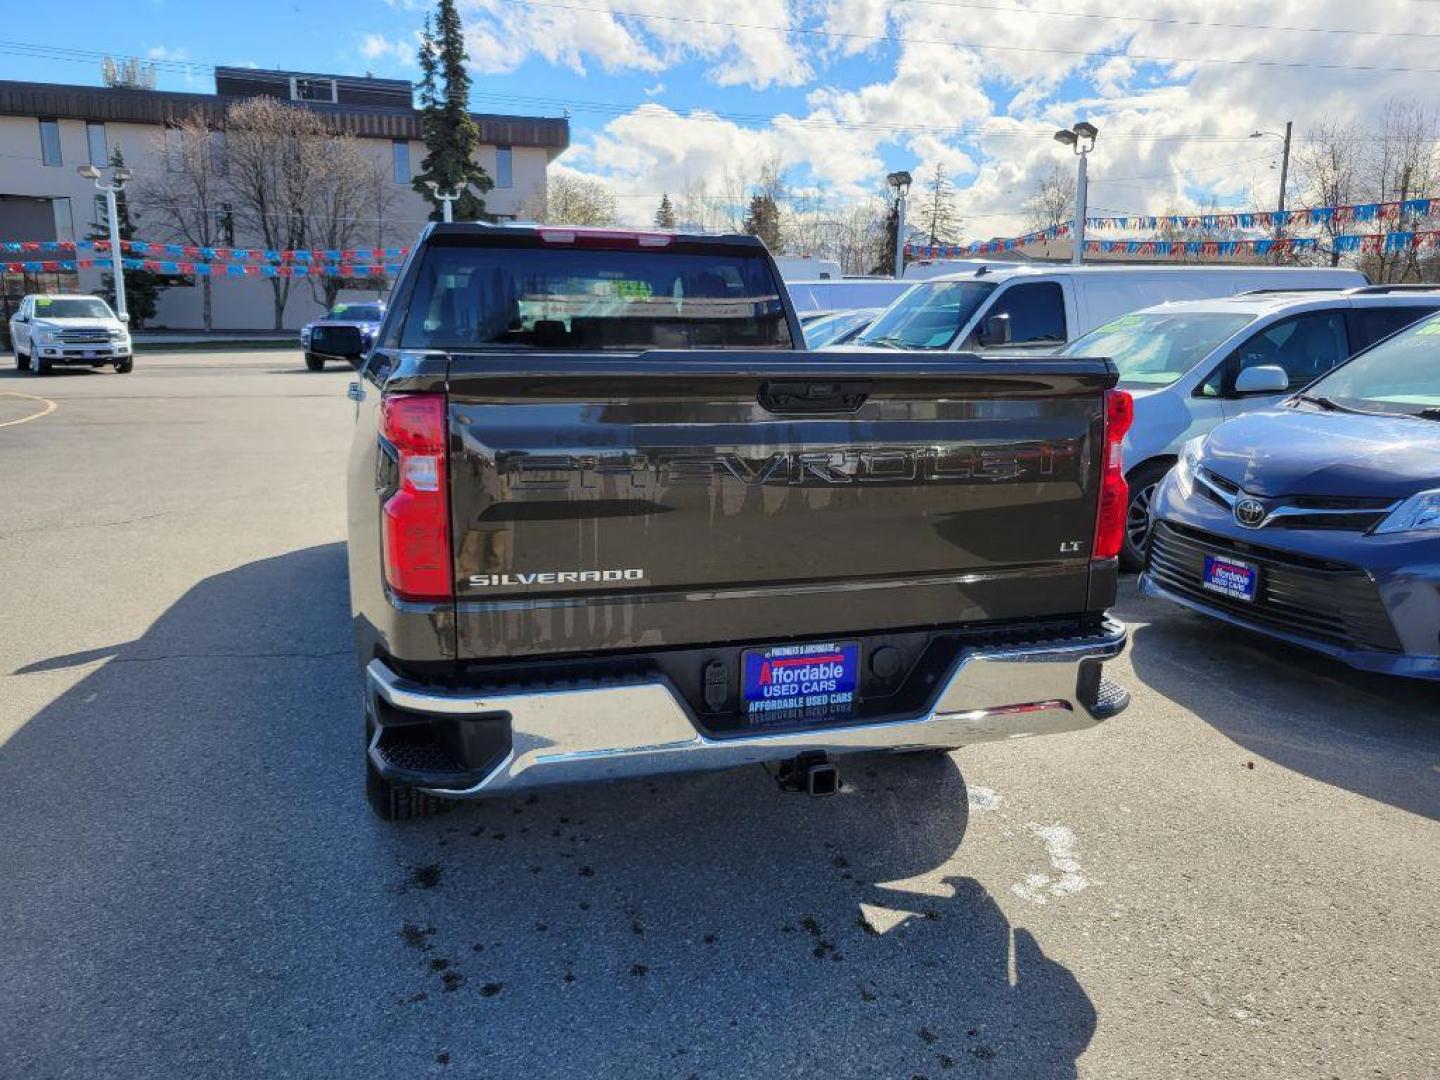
(813, 773)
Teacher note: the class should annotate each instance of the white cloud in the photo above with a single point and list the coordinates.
(396, 51)
(976, 90)
(734, 36)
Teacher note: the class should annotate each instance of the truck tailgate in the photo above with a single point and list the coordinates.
(672, 498)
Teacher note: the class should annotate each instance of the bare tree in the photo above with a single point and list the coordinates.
(696, 207)
(938, 219)
(1052, 200)
(187, 197)
(574, 200)
(348, 196)
(1404, 166)
(271, 176)
(1394, 160)
(1328, 166)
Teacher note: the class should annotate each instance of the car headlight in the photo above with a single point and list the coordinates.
(49, 337)
(1420, 512)
(118, 334)
(1186, 467)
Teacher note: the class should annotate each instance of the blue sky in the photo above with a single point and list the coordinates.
(669, 96)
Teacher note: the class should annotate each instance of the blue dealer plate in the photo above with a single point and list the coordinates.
(801, 678)
(1230, 577)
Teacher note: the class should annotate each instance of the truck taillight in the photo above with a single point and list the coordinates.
(1114, 492)
(415, 521)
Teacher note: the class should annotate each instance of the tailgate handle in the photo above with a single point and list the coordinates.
(792, 396)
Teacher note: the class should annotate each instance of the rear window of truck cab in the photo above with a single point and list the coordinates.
(571, 298)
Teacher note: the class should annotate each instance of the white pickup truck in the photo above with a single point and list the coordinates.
(50, 330)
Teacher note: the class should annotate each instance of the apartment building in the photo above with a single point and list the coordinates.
(47, 130)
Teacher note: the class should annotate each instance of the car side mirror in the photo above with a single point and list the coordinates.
(124, 317)
(1264, 379)
(19, 318)
(995, 330)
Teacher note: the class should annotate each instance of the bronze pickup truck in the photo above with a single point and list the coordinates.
(607, 519)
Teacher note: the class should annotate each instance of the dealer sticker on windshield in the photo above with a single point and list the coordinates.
(1230, 577)
(786, 679)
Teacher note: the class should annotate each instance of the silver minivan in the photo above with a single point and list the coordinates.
(1193, 364)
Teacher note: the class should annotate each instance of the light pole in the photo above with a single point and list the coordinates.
(901, 182)
(1080, 139)
(446, 197)
(118, 176)
(1284, 160)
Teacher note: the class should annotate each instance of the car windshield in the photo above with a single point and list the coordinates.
(1399, 375)
(71, 307)
(568, 298)
(832, 328)
(356, 313)
(1155, 349)
(929, 316)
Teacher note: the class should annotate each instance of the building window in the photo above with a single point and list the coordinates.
(306, 89)
(64, 219)
(50, 142)
(225, 225)
(400, 156)
(99, 148)
(503, 176)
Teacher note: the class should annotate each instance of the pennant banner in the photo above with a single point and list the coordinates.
(352, 270)
(1215, 249)
(207, 254)
(1250, 219)
(985, 247)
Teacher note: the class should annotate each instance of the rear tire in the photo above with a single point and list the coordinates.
(124, 367)
(313, 362)
(1143, 482)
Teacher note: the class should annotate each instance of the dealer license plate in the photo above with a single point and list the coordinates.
(1230, 577)
(784, 680)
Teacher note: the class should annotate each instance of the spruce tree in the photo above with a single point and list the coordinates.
(763, 220)
(450, 133)
(142, 287)
(665, 215)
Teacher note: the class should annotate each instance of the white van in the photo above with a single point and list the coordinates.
(1040, 309)
(1194, 364)
(925, 269)
(844, 294)
(807, 268)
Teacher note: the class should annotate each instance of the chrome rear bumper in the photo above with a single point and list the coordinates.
(641, 728)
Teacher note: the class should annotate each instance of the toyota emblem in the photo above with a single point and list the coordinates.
(1250, 513)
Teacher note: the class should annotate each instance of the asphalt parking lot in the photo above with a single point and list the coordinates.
(1236, 878)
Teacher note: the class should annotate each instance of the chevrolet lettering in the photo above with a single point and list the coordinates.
(824, 465)
(609, 519)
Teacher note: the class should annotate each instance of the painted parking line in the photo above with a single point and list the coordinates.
(50, 407)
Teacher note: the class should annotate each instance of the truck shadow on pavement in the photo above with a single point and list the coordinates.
(194, 886)
(1371, 734)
